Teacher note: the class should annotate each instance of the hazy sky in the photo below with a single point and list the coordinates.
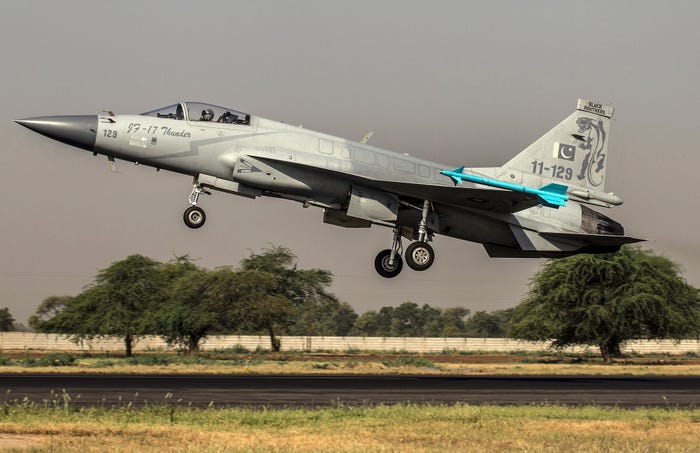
(456, 82)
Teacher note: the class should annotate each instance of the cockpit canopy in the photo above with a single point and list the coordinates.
(198, 111)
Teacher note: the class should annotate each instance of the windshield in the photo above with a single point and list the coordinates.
(174, 112)
(198, 111)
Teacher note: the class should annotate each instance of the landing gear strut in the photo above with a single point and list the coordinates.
(194, 216)
(420, 255)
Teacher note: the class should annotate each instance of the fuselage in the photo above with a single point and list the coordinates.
(253, 156)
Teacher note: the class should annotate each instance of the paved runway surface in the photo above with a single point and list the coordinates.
(88, 390)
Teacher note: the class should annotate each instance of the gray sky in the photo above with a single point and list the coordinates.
(460, 83)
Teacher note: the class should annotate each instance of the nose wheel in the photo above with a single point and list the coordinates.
(194, 216)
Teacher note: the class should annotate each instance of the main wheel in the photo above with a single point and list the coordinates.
(194, 217)
(420, 256)
(381, 264)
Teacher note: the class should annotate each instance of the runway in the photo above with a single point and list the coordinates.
(328, 390)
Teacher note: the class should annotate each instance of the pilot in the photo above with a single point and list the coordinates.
(207, 115)
(179, 115)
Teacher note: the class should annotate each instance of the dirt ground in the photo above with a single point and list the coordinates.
(19, 441)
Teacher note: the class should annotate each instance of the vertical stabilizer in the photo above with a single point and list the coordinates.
(574, 152)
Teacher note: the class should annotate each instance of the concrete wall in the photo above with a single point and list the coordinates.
(53, 342)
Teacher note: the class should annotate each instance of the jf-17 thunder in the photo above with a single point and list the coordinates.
(538, 204)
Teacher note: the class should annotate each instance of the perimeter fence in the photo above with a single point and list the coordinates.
(56, 342)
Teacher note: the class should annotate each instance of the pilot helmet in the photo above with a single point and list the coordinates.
(207, 115)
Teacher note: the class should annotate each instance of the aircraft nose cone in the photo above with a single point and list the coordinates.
(75, 130)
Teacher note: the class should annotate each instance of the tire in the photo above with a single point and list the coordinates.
(381, 264)
(194, 217)
(420, 256)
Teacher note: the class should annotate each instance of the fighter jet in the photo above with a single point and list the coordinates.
(538, 204)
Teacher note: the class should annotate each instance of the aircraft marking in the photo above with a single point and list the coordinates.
(558, 171)
(595, 144)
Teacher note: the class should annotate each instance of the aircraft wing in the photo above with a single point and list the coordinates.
(495, 200)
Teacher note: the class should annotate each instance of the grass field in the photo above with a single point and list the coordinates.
(350, 429)
(58, 426)
(227, 362)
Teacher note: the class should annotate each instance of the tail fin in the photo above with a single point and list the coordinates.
(574, 152)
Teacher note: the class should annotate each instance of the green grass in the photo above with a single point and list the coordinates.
(409, 361)
(60, 409)
(60, 426)
(297, 362)
(54, 359)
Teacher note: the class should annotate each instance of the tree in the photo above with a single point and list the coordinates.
(6, 320)
(367, 324)
(315, 311)
(259, 293)
(189, 313)
(484, 324)
(407, 320)
(46, 317)
(410, 320)
(607, 299)
(452, 320)
(118, 303)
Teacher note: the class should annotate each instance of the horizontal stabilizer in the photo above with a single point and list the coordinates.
(559, 245)
(603, 240)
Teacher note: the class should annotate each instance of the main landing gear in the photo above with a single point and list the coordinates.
(194, 216)
(388, 262)
(419, 255)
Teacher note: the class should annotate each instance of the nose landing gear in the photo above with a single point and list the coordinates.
(194, 216)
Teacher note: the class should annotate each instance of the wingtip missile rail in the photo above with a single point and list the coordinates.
(552, 195)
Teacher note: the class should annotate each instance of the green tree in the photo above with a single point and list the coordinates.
(367, 325)
(48, 318)
(484, 324)
(432, 321)
(452, 320)
(190, 312)
(406, 321)
(259, 294)
(341, 318)
(606, 299)
(6, 320)
(410, 320)
(116, 304)
(315, 311)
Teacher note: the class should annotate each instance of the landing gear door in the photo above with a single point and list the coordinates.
(373, 205)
